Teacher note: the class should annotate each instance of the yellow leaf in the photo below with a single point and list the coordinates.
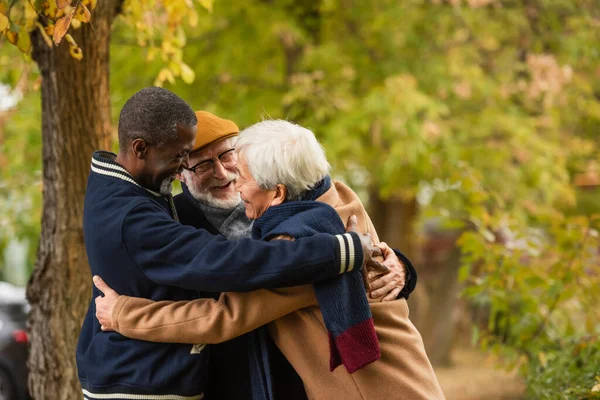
(61, 26)
(193, 19)
(44, 34)
(208, 4)
(170, 76)
(543, 359)
(162, 76)
(83, 14)
(90, 4)
(187, 74)
(75, 52)
(24, 42)
(63, 3)
(30, 16)
(70, 40)
(12, 37)
(3, 22)
(75, 24)
(50, 8)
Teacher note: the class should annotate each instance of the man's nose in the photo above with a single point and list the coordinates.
(185, 162)
(220, 171)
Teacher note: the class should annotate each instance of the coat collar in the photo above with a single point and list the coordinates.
(103, 163)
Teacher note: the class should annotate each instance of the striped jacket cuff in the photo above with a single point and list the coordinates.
(348, 252)
(128, 395)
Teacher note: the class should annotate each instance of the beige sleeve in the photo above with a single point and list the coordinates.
(206, 320)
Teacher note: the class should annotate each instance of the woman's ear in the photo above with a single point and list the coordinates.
(280, 195)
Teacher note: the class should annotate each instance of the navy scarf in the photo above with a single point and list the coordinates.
(342, 300)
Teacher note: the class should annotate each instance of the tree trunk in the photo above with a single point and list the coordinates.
(435, 295)
(439, 281)
(394, 220)
(75, 122)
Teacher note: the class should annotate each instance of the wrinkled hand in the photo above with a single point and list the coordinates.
(106, 304)
(369, 251)
(392, 283)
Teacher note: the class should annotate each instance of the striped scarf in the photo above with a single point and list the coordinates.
(342, 300)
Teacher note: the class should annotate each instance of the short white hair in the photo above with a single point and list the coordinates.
(280, 152)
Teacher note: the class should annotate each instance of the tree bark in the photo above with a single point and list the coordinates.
(75, 122)
(439, 281)
(394, 219)
(433, 302)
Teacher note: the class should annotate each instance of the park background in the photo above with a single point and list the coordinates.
(470, 129)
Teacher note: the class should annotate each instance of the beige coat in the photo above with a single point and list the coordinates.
(297, 327)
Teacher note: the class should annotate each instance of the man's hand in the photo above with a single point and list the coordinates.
(369, 251)
(106, 304)
(392, 283)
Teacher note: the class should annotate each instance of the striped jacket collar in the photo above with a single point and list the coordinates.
(103, 163)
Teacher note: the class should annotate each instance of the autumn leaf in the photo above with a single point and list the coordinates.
(24, 42)
(90, 4)
(44, 34)
(3, 22)
(61, 26)
(63, 3)
(187, 74)
(70, 40)
(83, 14)
(208, 4)
(49, 29)
(75, 52)
(12, 37)
(50, 9)
(30, 16)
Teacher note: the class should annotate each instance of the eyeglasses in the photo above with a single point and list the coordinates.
(227, 159)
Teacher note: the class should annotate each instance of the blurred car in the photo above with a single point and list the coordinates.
(13, 343)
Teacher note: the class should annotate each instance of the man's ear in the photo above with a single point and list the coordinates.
(139, 148)
(280, 195)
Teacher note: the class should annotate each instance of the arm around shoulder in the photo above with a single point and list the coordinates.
(172, 254)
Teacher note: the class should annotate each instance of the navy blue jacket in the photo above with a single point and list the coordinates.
(134, 243)
(229, 366)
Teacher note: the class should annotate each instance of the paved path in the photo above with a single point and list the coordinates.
(476, 377)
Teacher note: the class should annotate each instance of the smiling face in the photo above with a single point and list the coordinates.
(213, 181)
(256, 199)
(163, 163)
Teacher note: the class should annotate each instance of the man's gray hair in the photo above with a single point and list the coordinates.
(280, 152)
(153, 114)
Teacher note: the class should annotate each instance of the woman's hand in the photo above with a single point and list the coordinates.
(391, 283)
(106, 304)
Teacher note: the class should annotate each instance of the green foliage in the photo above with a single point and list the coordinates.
(567, 372)
(20, 165)
(539, 284)
(486, 111)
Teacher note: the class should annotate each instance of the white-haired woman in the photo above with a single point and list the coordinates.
(284, 183)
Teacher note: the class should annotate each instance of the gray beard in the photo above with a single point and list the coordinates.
(166, 187)
(208, 199)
